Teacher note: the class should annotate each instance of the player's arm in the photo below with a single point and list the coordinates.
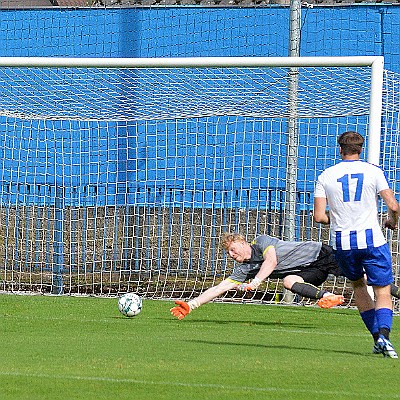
(393, 208)
(183, 308)
(320, 213)
(266, 269)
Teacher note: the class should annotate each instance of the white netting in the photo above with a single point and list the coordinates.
(123, 179)
(137, 94)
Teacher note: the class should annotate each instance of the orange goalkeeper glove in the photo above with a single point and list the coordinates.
(181, 310)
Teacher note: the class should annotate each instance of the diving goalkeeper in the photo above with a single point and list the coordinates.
(302, 265)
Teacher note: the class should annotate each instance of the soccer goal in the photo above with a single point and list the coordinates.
(120, 175)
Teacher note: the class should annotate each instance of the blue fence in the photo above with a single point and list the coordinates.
(219, 169)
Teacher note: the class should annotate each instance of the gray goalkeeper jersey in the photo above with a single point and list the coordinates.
(291, 256)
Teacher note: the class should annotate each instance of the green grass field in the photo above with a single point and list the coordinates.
(82, 348)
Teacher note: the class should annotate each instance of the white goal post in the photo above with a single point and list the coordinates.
(120, 174)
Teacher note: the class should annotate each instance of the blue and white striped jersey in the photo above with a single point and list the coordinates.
(351, 188)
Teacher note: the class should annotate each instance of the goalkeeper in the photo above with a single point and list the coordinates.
(302, 265)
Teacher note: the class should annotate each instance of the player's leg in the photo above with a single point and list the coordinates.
(352, 269)
(315, 274)
(297, 284)
(365, 306)
(384, 316)
(394, 291)
(378, 268)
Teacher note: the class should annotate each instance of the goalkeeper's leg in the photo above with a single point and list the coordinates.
(326, 299)
(395, 291)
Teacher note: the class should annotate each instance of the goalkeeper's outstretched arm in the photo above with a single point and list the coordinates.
(183, 308)
(239, 250)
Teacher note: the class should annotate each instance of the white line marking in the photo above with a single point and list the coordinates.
(225, 388)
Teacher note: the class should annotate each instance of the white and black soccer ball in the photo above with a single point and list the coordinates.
(130, 304)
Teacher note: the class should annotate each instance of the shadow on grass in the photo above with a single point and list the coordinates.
(276, 323)
(279, 347)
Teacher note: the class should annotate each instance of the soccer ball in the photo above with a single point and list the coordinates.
(130, 304)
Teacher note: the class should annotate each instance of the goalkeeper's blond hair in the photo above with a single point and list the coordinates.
(227, 238)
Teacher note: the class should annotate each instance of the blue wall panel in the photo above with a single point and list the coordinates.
(115, 163)
(185, 31)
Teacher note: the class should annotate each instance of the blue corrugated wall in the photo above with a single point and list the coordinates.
(112, 163)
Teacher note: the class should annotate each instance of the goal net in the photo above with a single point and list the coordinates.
(120, 175)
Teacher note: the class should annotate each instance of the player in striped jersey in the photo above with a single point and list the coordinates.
(350, 189)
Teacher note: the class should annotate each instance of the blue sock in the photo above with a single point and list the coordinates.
(384, 316)
(370, 320)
